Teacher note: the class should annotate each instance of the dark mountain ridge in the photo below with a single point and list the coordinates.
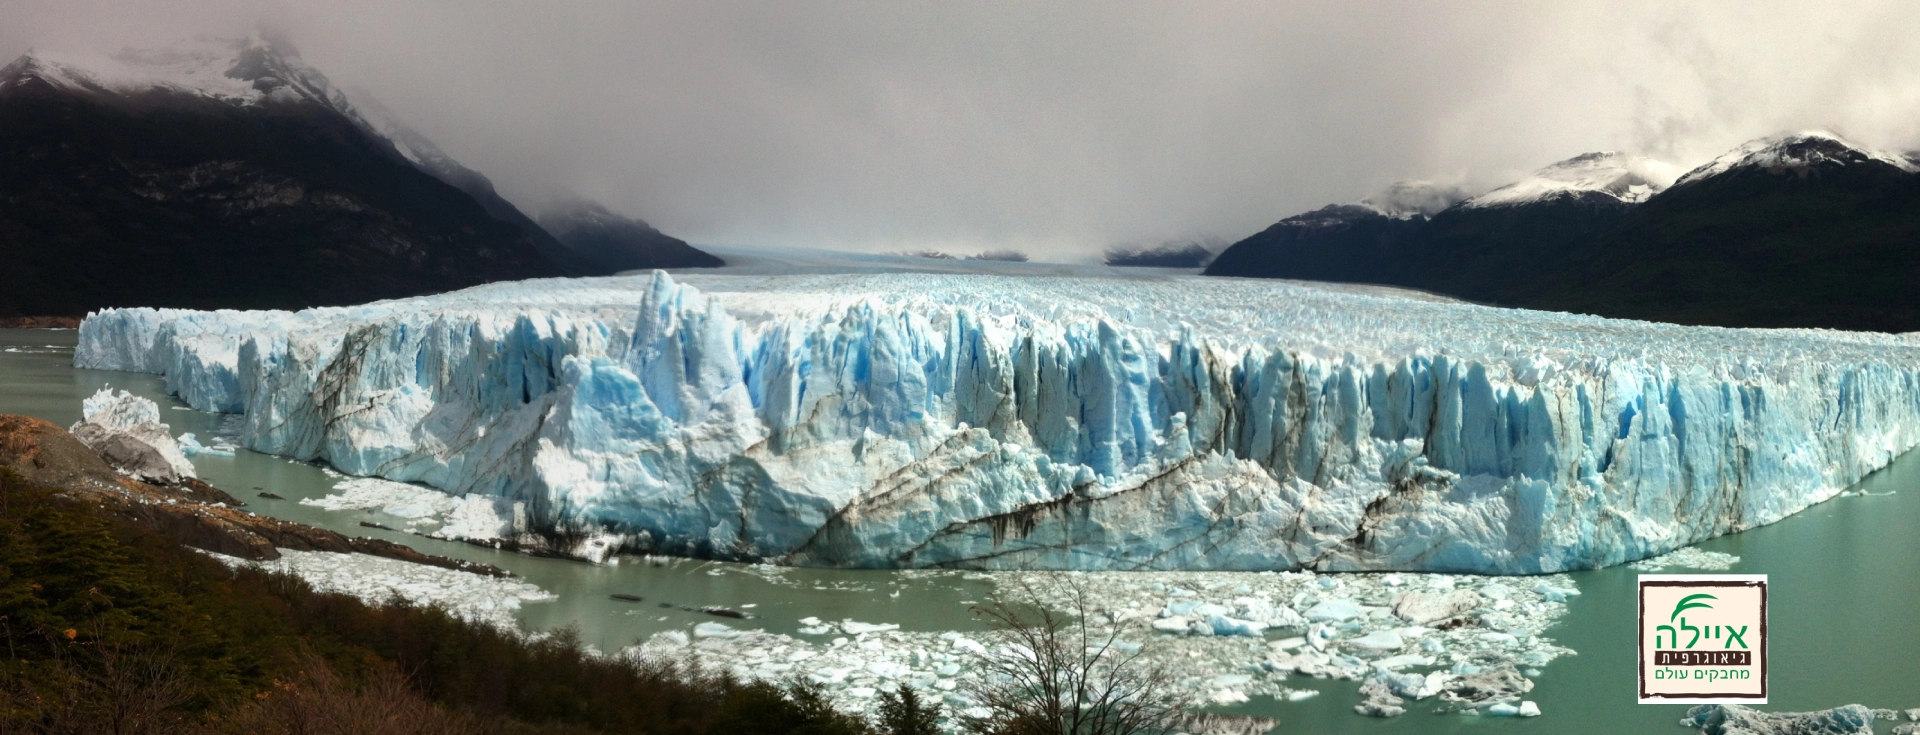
(226, 173)
(618, 243)
(1792, 231)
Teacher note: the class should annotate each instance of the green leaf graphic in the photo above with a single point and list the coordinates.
(1690, 602)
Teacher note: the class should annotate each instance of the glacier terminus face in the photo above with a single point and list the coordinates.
(1067, 422)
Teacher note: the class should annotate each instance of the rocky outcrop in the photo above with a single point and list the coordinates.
(188, 510)
(125, 430)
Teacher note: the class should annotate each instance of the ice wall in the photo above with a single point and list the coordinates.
(1095, 423)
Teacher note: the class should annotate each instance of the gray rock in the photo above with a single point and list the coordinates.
(125, 430)
(128, 453)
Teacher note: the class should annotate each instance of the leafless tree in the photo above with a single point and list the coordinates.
(1054, 672)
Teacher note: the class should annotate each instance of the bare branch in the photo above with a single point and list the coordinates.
(1053, 673)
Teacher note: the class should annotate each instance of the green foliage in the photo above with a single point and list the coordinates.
(800, 709)
(86, 602)
(904, 712)
(108, 627)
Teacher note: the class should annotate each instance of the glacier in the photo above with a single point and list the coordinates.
(1000, 421)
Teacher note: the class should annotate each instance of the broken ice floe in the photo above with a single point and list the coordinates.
(191, 446)
(474, 518)
(1224, 638)
(412, 502)
(1688, 558)
(1733, 719)
(376, 580)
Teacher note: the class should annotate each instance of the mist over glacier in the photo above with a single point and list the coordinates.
(1070, 422)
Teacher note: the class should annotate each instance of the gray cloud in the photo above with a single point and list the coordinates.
(1055, 127)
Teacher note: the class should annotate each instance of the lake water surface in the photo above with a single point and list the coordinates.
(1844, 577)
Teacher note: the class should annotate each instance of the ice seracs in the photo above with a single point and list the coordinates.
(1627, 178)
(981, 421)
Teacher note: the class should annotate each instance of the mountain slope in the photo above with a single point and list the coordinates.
(1339, 242)
(1794, 231)
(618, 243)
(1478, 249)
(424, 155)
(228, 173)
(1799, 230)
(220, 174)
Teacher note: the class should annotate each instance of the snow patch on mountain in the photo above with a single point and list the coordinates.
(380, 120)
(1414, 198)
(246, 70)
(243, 71)
(1628, 178)
(1796, 153)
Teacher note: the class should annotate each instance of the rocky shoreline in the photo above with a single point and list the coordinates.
(195, 513)
(40, 322)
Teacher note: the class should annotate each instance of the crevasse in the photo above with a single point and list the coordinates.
(910, 420)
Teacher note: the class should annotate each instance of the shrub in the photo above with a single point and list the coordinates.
(110, 628)
(1053, 674)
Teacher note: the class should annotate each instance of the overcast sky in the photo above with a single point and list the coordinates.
(1054, 127)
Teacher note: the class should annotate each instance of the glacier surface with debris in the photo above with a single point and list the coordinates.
(1072, 421)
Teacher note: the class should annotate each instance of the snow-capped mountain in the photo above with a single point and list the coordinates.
(1800, 154)
(1414, 198)
(618, 243)
(249, 70)
(1804, 229)
(1619, 176)
(222, 173)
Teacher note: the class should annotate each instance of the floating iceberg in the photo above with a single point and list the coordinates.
(995, 422)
